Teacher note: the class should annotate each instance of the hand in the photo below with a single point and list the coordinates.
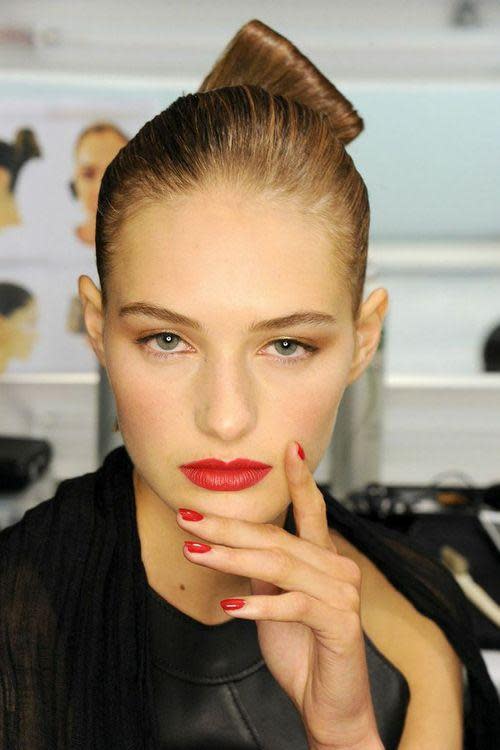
(310, 637)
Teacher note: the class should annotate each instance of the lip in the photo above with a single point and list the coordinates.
(237, 463)
(222, 476)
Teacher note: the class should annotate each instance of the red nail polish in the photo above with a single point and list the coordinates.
(190, 515)
(232, 603)
(300, 451)
(197, 547)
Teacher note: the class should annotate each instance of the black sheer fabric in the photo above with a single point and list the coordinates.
(213, 689)
(75, 661)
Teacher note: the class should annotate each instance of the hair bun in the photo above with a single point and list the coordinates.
(26, 144)
(259, 55)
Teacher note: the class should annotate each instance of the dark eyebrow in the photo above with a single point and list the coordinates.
(306, 317)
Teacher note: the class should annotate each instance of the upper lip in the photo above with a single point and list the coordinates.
(237, 463)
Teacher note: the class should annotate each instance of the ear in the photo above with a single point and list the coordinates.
(91, 299)
(368, 331)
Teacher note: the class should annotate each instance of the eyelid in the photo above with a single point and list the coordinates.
(309, 348)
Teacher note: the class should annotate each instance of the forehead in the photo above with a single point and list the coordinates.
(97, 148)
(221, 247)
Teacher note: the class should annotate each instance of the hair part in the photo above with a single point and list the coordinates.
(265, 121)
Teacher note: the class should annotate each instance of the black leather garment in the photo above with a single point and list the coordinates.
(213, 690)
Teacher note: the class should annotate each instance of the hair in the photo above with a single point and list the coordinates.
(265, 120)
(13, 297)
(14, 155)
(491, 351)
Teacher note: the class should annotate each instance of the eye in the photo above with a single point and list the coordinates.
(288, 345)
(165, 337)
(88, 173)
(167, 341)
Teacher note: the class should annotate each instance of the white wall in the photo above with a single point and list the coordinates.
(427, 428)
(387, 38)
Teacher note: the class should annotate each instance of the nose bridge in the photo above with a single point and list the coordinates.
(225, 397)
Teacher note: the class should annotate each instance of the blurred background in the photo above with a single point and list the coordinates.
(419, 433)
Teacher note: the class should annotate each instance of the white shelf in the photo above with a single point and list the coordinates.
(480, 381)
(422, 257)
(50, 378)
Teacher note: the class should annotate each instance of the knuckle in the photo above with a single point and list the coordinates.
(273, 531)
(350, 594)
(352, 624)
(300, 602)
(353, 570)
(281, 561)
(224, 526)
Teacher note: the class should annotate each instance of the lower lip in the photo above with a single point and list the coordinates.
(224, 480)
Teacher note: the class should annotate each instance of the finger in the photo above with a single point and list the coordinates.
(237, 534)
(339, 627)
(309, 507)
(275, 566)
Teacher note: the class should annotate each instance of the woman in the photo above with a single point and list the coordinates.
(13, 157)
(18, 319)
(231, 243)
(95, 147)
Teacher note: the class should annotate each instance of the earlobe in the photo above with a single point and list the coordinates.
(91, 299)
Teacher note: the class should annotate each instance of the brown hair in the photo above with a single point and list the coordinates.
(264, 120)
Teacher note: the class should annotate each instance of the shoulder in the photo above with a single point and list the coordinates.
(48, 532)
(40, 568)
(415, 644)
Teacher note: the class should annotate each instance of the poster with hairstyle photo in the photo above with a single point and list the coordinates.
(55, 145)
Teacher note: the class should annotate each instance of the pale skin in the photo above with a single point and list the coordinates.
(225, 392)
(95, 152)
(9, 212)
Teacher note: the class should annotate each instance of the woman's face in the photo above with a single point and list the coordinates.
(225, 391)
(94, 154)
(5, 180)
(19, 333)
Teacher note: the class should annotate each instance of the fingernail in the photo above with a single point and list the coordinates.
(190, 515)
(300, 451)
(232, 603)
(197, 547)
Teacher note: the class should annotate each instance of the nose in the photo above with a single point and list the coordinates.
(225, 401)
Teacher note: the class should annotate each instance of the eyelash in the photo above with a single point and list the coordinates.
(310, 349)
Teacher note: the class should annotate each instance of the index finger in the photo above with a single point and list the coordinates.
(309, 507)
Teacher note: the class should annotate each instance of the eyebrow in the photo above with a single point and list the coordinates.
(301, 317)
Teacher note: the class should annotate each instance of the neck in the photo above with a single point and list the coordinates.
(8, 210)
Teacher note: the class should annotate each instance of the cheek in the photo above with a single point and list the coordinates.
(316, 413)
(148, 401)
(314, 404)
(146, 406)
(307, 409)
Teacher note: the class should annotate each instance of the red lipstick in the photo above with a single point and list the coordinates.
(213, 474)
